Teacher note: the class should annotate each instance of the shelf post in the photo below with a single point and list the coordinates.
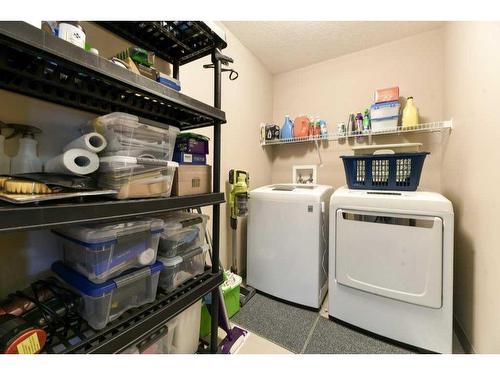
(214, 308)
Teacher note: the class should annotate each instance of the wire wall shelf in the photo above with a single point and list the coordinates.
(436, 126)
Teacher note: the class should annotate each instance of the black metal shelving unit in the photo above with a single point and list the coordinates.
(39, 65)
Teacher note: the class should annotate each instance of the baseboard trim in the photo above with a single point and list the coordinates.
(462, 337)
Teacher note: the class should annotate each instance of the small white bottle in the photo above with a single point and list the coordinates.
(4, 159)
(26, 160)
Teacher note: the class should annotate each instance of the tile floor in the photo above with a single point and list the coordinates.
(255, 344)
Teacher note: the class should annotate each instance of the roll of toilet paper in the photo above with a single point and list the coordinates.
(73, 161)
(93, 142)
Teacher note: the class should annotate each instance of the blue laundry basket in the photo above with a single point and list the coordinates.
(384, 172)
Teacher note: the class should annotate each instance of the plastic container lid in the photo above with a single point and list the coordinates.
(81, 283)
(125, 119)
(97, 235)
(182, 220)
(394, 103)
(115, 163)
(174, 261)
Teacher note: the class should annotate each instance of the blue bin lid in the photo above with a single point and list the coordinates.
(394, 103)
(96, 235)
(87, 287)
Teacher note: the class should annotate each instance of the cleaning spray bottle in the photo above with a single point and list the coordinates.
(26, 160)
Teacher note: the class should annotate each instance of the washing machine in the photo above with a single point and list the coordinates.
(287, 242)
(391, 265)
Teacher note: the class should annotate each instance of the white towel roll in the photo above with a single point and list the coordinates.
(74, 161)
(93, 142)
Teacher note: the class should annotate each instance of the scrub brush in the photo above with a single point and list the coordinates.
(17, 186)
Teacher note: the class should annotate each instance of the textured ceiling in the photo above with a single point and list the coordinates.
(288, 45)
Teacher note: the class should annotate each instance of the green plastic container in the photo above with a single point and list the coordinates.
(231, 293)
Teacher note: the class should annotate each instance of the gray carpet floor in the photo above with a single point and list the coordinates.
(304, 331)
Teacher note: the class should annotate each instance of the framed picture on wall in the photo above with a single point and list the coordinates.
(304, 174)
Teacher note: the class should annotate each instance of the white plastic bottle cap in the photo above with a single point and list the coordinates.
(147, 257)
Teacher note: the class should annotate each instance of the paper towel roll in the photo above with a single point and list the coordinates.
(93, 142)
(74, 161)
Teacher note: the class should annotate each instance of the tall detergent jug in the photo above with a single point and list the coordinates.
(410, 113)
(287, 128)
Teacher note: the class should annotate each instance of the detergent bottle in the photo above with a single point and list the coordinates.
(410, 113)
(287, 129)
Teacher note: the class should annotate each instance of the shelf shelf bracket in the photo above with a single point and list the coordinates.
(319, 152)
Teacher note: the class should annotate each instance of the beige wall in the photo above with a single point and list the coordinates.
(246, 102)
(27, 256)
(333, 88)
(470, 176)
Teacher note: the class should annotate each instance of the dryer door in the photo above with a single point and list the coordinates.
(396, 256)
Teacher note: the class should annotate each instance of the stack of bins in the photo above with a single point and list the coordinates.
(137, 161)
(113, 266)
(182, 248)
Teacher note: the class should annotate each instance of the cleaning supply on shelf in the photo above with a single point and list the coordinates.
(366, 121)
(77, 161)
(138, 55)
(287, 128)
(317, 127)
(4, 159)
(323, 129)
(26, 160)
(301, 127)
(386, 95)
(272, 132)
(410, 113)
(351, 124)
(359, 122)
(93, 142)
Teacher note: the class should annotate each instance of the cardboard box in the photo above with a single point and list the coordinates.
(387, 95)
(192, 179)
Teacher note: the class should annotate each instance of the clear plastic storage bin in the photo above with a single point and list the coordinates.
(178, 336)
(179, 269)
(102, 303)
(182, 231)
(129, 135)
(104, 250)
(136, 177)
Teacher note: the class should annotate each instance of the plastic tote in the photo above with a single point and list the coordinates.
(129, 135)
(104, 250)
(136, 177)
(182, 231)
(384, 172)
(102, 303)
(180, 269)
(179, 336)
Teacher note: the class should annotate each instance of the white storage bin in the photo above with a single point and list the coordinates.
(179, 336)
(129, 135)
(182, 231)
(104, 250)
(384, 110)
(136, 177)
(179, 269)
(102, 303)
(388, 123)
